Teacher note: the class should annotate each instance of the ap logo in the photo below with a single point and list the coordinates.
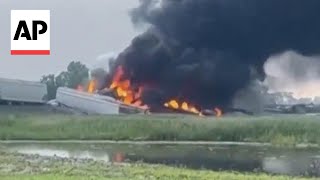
(30, 32)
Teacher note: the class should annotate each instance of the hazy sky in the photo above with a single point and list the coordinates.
(81, 30)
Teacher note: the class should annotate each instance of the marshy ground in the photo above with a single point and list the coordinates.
(283, 131)
(26, 167)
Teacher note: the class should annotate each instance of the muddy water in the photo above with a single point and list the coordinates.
(303, 161)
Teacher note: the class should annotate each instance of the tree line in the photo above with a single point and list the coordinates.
(75, 74)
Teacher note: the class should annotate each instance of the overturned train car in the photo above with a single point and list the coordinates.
(19, 91)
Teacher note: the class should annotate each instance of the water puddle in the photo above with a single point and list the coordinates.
(295, 162)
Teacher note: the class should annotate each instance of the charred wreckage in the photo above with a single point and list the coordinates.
(195, 56)
(87, 99)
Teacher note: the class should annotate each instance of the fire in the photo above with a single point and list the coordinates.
(218, 112)
(92, 86)
(124, 90)
(172, 104)
(132, 95)
(187, 107)
(80, 88)
(184, 106)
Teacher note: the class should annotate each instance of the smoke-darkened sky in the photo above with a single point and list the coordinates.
(80, 30)
(208, 50)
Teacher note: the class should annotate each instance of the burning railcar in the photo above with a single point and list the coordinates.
(195, 56)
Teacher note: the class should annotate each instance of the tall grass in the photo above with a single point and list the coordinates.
(274, 129)
(18, 167)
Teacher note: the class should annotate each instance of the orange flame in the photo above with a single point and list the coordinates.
(172, 104)
(124, 91)
(184, 106)
(218, 112)
(80, 88)
(92, 86)
(187, 107)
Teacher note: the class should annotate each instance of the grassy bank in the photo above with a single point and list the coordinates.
(144, 173)
(27, 167)
(275, 129)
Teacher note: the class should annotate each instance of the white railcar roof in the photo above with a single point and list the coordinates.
(33, 83)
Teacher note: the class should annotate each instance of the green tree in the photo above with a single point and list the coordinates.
(76, 73)
(49, 80)
(62, 79)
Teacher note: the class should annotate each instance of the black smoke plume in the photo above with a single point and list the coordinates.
(205, 51)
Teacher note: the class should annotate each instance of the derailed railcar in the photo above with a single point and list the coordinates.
(22, 91)
(86, 102)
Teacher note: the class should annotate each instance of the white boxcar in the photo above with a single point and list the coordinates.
(86, 102)
(22, 91)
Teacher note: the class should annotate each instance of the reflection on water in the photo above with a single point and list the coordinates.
(306, 165)
(65, 153)
(215, 157)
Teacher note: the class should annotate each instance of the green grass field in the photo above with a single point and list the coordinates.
(22, 167)
(282, 130)
(150, 173)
